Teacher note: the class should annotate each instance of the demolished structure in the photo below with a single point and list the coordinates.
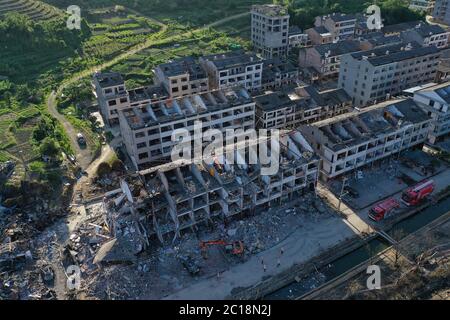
(181, 195)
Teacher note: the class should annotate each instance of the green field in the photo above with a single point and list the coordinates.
(36, 10)
(187, 12)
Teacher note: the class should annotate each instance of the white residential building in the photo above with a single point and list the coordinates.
(182, 77)
(375, 75)
(110, 91)
(147, 130)
(441, 11)
(427, 35)
(232, 69)
(270, 30)
(341, 26)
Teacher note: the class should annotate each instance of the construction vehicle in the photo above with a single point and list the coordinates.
(383, 209)
(190, 265)
(415, 195)
(235, 248)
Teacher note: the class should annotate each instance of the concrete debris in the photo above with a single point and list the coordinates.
(115, 251)
(6, 170)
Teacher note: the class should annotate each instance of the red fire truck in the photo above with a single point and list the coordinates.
(415, 195)
(383, 209)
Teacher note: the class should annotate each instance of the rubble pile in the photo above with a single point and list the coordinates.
(266, 229)
(6, 170)
(99, 185)
(21, 277)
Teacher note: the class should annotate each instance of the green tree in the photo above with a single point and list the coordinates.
(49, 147)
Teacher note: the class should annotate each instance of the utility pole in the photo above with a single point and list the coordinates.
(343, 193)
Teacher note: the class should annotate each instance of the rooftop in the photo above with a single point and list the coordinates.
(328, 98)
(162, 111)
(340, 17)
(186, 65)
(400, 27)
(378, 39)
(294, 30)
(322, 30)
(271, 10)
(276, 67)
(339, 48)
(394, 53)
(441, 90)
(152, 93)
(425, 29)
(274, 100)
(357, 127)
(108, 79)
(233, 59)
(306, 97)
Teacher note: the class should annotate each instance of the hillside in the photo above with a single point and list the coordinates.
(35, 10)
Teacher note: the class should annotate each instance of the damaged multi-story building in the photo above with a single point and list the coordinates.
(297, 38)
(319, 35)
(170, 198)
(358, 138)
(435, 101)
(291, 107)
(147, 130)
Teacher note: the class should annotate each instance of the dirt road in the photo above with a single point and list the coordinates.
(84, 156)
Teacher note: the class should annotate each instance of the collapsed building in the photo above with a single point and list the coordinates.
(181, 195)
(358, 138)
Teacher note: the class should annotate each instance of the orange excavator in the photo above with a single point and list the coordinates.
(235, 248)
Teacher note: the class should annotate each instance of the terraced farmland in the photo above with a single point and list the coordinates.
(36, 10)
(113, 32)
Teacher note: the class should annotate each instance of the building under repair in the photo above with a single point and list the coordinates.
(165, 200)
